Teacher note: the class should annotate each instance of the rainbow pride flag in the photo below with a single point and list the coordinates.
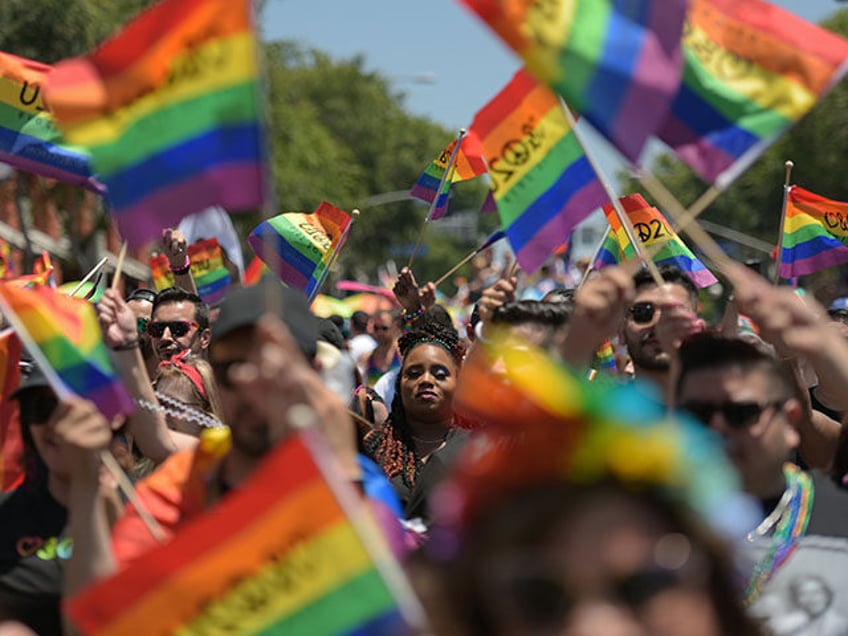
(67, 333)
(469, 163)
(617, 63)
(301, 245)
(752, 70)
(29, 138)
(605, 357)
(278, 556)
(815, 233)
(542, 182)
(169, 110)
(207, 268)
(653, 230)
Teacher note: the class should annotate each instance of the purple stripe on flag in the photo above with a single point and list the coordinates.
(806, 266)
(537, 250)
(111, 399)
(232, 186)
(422, 192)
(702, 278)
(695, 150)
(46, 170)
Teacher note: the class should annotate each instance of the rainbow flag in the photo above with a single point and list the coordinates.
(541, 180)
(605, 357)
(815, 233)
(67, 333)
(169, 110)
(469, 163)
(207, 268)
(254, 272)
(617, 63)
(301, 245)
(278, 556)
(11, 442)
(752, 70)
(29, 138)
(653, 230)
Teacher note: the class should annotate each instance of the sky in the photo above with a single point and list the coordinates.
(408, 40)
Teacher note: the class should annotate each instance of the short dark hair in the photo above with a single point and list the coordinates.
(518, 312)
(670, 274)
(178, 295)
(559, 295)
(147, 295)
(359, 320)
(710, 350)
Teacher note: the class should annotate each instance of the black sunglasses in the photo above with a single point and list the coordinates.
(738, 415)
(178, 328)
(642, 313)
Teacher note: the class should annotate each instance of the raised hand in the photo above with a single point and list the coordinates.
(120, 327)
(174, 246)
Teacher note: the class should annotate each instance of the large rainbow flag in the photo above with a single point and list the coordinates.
(653, 230)
(29, 139)
(616, 63)
(169, 109)
(278, 556)
(541, 180)
(67, 333)
(815, 233)
(298, 247)
(752, 70)
(469, 163)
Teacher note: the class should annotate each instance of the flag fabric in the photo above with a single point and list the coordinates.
(278, 556)
(541, 180)
(489, 204)
(42, 269)
(752, 70)
(653, 229)
(38, 279)
(469, 163)
(29, 138)
(301, 245)
(254, 272)
(7, 267)
(605, 357)
(67, 333)
(11, 442)
(211, 278)
(815, 233)
(169, 110)
(617, 63)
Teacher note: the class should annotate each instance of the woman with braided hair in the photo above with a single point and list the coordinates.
(417, 443)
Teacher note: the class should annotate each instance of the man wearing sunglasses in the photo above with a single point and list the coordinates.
(753, 401)
(179, 321)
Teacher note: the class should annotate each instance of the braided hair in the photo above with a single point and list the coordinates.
(391, 445)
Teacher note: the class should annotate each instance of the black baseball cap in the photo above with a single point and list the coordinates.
(244, 307)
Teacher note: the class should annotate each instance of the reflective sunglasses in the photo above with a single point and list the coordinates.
(178, 328)
(738, 415)
(642, 313)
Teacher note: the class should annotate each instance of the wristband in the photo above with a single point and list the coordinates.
(182, 270)
(410, 318)
(127, 346)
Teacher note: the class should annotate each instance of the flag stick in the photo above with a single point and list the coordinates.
(670, 204)
(63, 393)
(361, 519)
(90, 274)
(788, 165)
(130, 493)
(613, 197)
(445, 176)
(595, 254)
(354, 215)
(116, 277)
(489, 242)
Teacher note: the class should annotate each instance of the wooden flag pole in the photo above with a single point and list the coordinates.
(613, 197)
(354, 215)
(788, 165)
(90, 274)
(445, 176)
(595, 253)
(453, 269)
(116, 277)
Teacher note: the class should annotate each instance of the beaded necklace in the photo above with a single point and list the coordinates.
(789, 520)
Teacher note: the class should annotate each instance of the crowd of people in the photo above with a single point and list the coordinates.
(484, 449)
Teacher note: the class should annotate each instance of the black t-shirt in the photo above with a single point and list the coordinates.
(33, 549)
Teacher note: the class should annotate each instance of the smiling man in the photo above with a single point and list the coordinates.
(179, 321)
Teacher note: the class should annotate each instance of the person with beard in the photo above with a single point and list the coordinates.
(179, 321)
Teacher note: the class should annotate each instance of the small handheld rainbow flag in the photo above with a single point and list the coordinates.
(67, 333)
(169, 109)
(605, 357)
(653, 229)
(278, 556)
(207, 268)
(815, 233)
(541, 180)
(616, 63)
(752, 70)
(469, 163)
(301, 245)
(29, 139)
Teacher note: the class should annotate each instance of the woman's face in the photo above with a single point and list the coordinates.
(427, 383)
